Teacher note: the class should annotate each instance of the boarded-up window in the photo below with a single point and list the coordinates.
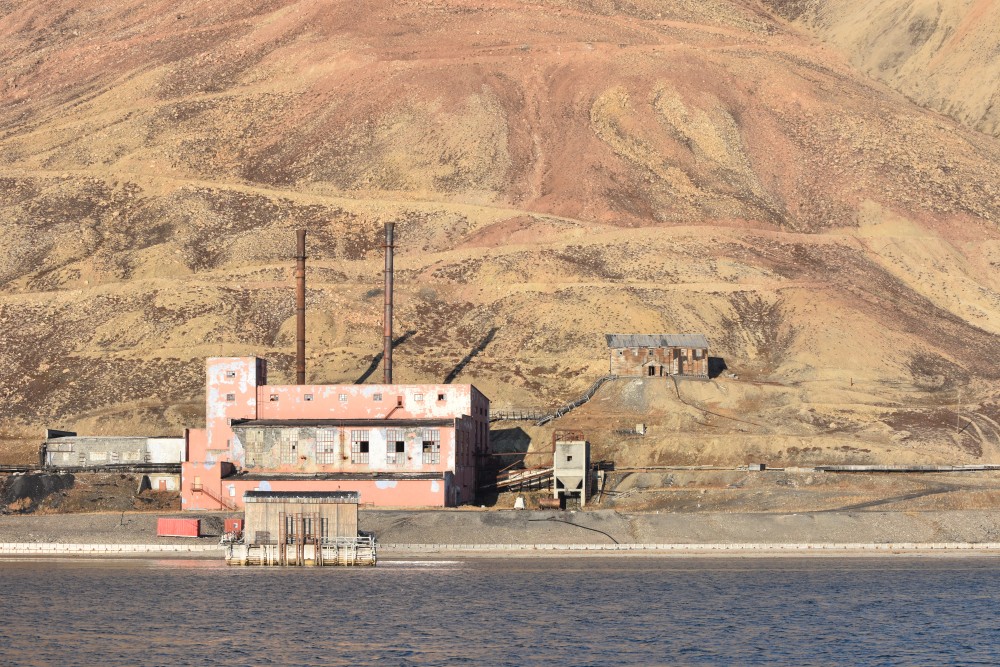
(98, 456)
(359, 446)
(395, 446)
(326, 446)
(431, 446)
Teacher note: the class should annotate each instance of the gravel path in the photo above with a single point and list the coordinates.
(541, 527)
(550, 527)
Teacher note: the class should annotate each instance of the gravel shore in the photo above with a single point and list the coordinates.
(551, 527)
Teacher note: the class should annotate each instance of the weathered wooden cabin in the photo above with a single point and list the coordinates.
(301, 528)
(658, 355)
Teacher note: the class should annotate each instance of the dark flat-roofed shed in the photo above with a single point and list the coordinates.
(658, 355)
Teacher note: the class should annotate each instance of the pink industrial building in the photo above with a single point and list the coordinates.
(397, 445)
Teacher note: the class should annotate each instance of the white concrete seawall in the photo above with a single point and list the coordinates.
(822, 548)
(829, 547)
(55, 548)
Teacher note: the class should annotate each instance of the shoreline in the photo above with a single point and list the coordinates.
(441, 534)
(432, 552)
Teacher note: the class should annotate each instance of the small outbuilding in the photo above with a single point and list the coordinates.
(658, 355)
(301, 528)
(571, 468)
(66, 449)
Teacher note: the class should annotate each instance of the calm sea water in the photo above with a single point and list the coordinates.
(579, 611)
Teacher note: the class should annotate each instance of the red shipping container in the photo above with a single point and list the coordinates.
(178, 527)
(234, 525)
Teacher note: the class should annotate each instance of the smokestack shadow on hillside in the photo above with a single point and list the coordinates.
(480, 346)
(716, 367)
(396, 342)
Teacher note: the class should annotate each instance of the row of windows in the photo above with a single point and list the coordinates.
(326, 446)
(395, 447)
(274, 398)
(697, 352)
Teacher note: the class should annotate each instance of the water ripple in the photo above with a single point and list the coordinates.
(504, 612)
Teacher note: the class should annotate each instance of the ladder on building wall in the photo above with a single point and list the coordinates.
(200, 488)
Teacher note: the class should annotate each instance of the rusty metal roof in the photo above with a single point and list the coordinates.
(657, 340)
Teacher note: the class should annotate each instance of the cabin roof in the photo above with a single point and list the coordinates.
(657, 340)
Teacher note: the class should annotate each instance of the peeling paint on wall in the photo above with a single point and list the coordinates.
(288, 430)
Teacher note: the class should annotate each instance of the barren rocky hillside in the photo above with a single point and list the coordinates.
(943, 54)
(557, 170)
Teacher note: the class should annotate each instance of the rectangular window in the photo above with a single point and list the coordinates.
(431, 447)
(98, 456)
(231, 398)
(440, 397)
(290, 446)
(377, 397)
(254, 450)
(230, 374)
(359, 446)
(309, 397)
(697, 354)
(274, 398)
(418, 397)
(343, 398)
(326, 446)
(395, 446)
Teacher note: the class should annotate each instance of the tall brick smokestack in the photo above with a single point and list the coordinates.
(300, 308)
(387, 318)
